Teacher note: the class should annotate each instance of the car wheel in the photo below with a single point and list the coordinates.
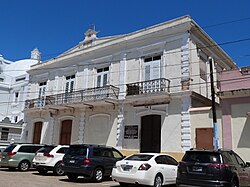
(58, 170)
(42, 171)
(158, 181)
(24, 165)
(98, 175)
(234, 183)
(122, 184)
(72, 177)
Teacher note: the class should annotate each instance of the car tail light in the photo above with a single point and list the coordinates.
(48, 155)
(145, 166)
(11, 153)
(218, 166)
(86, 162)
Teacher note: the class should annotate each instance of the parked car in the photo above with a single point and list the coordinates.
(91, 161)
(49, 158)
(213, 168)
(19, 156)
(152, 169)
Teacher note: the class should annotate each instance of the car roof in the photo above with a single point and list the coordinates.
(90, 145)
(153, 154)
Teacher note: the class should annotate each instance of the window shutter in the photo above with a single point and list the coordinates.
(156, 70)
(67, 87)
(71, 86)
(105, 79)
(147, 72)
(99, 81)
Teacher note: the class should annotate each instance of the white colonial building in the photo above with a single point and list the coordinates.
(148, 90)
(14, 81)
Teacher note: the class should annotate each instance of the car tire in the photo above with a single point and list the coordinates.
(123, 184)
(97, 175)
(72, 177)
(158, 181)
(42, 171)
(24, 165)
(234, 183)
(57, 170)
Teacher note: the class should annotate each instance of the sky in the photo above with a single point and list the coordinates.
(54, 26)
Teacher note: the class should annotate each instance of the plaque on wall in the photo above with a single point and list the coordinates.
(131, 132)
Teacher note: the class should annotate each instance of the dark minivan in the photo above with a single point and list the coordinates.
(213, 168)
(91, 161)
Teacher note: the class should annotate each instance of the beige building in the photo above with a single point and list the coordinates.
(148, 90)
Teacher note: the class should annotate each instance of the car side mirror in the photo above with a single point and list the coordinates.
(247, 164)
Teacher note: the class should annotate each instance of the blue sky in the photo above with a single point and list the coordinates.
(54, 26)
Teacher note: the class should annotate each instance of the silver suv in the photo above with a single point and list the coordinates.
(19, 156)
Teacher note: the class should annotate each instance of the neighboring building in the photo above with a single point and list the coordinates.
(14, 81)
(235, 105)
(148, 90)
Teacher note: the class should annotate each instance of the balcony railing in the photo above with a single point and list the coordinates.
(147, 87)
(88, 95)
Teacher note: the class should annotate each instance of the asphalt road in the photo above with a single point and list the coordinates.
(34, 179)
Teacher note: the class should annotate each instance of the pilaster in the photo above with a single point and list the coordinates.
(82, 122)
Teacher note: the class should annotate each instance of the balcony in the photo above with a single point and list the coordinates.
(87, 97)
(152, 89)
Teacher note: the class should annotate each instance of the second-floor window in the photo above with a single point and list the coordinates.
(70, 81)
(16, 96)
(42, 93)
(102, 76)
(152, 67)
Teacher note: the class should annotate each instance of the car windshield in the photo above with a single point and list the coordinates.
(139, 157)
(77, 150)
(45, 149)
(202, 157)
(10, 148)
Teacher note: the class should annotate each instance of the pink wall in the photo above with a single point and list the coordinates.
(234, 80)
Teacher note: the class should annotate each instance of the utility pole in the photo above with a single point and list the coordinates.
(216, 139)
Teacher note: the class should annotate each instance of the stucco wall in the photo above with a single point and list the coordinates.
(240, 123)
(202, 118)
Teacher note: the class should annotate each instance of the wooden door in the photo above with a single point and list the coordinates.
(37, 132)
(150, 134)
(204, 138)
(65, 136)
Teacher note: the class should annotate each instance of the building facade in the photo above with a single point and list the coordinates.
(143, 91)
(235, 105)
(14, 82)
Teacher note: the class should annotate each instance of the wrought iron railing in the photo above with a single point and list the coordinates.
(147, 87)
(92, 94)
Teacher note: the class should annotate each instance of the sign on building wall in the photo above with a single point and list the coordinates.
(131, 132)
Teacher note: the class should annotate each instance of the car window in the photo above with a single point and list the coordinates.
(240, 161)
(202, 157)
(107, 153)
(63, 150)
(161, 159)
(139, 157)
(117, 154)
(45, 149)
(227, 158)
(29, 149)
(10, 148)
(233, 158)
(171, 161)
(96, 152)
(77, 150)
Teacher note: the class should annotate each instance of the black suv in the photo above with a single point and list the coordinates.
(91, 161)
(213, 168)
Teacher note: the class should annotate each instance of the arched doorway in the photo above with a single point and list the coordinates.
(37, 132)
(66, 128)
(150, 134)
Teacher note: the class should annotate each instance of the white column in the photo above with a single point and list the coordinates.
(122, 77)
(120, 126)
(81, 128)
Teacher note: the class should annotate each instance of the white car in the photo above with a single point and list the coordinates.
(49, 158)
(152, 169)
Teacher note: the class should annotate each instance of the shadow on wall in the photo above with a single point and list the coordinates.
(244, 138)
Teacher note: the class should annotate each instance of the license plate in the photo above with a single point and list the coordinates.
(72, 161)
(197, 169)
(126, 167)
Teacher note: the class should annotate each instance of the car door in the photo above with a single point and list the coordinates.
(108, 160)
(243, 171)
(167, 167)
